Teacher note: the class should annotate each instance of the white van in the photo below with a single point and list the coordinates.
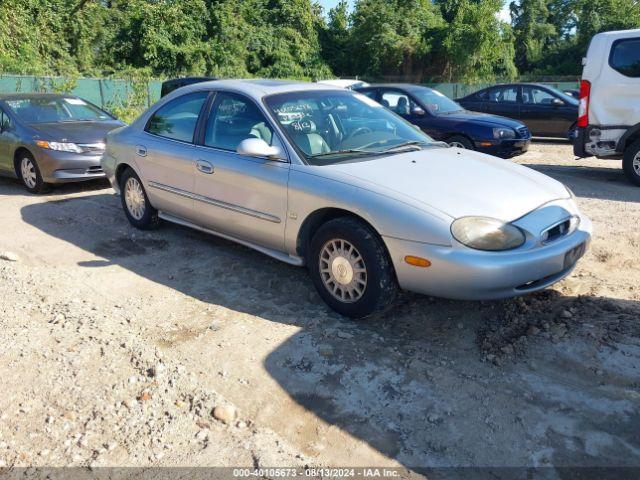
(609, 116)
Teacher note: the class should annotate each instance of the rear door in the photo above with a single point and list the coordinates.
(503, 100)
(615, 95)
(242, 196)
(165, 153)
(8, 141)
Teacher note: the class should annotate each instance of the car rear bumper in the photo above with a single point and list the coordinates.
(504, 148)
(466, 274)
(65, 167)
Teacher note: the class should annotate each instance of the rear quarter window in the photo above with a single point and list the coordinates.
(625, 57)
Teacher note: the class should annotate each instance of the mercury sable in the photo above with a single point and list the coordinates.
(330, 179)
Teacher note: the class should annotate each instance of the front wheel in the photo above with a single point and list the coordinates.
(29, 174)
(135, 202)
(631, 162)
(460, 142)
(351, 269)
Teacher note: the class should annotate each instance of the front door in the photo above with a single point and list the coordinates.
(545, 113)
(242, 196)
(165, 154)
(402, 104)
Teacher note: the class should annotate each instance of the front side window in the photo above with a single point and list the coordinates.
(329, 127)
(56, 109)
(177, 119)
(398, 102)
(236, 118)
(625, 57)
(537, 96)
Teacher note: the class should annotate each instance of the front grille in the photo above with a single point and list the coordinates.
(95, 169)
(523, 132)
(557, 231)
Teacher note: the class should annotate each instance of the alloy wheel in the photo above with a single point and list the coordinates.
(134, 198)
(636, 164)
(28, 172)
(456, 144)
(343, 270)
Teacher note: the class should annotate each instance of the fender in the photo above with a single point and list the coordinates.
(629, 134)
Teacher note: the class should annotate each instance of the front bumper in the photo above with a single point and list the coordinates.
(467, 274)
(64, 167)
(503, 148)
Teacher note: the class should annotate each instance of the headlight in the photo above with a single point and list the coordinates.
(483, 233)
(504, 133)
(60, 147)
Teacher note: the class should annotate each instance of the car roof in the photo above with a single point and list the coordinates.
(405, 86)
(258, 88)
(29, 96)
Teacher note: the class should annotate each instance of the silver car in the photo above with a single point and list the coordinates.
(328, 178)
(48, 138)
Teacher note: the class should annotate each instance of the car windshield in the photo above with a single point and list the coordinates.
(56, 109)
(333, 126)
(565, 97)
(435, 102)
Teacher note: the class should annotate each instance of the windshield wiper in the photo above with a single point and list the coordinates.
(350, 151)
(410, 143)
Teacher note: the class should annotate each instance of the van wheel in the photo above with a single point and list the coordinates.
(631, 162)
(351, 269)
(135, 202)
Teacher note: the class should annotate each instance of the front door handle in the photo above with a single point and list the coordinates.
(204, 167)
(141, 150)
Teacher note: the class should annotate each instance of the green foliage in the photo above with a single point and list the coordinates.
(410, 40)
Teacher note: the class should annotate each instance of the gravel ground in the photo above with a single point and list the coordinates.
(173, 348)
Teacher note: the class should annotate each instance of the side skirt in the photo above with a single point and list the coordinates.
(283, 257)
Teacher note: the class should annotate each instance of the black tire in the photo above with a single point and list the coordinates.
(631, 156)
(33, 183)
(461, 141)
(149, 219)
(381, 285)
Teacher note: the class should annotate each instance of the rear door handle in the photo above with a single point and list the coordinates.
(141, 150)
(204, 167)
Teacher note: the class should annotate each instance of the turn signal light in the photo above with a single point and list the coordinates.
(417, 261)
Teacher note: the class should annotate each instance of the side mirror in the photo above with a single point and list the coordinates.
(256, 147)
(557, 102)
(418, 112)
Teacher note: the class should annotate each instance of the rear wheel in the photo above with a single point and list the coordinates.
(29, 173)
(135, 202)
(631, 162)
(460, 141)
(351, 269)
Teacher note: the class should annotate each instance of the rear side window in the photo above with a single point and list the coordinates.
(236, 118)
(625, 57)
(177, 119)
(503, 95)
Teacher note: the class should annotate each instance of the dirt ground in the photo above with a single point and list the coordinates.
(116, 347)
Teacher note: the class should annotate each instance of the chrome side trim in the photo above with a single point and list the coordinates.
(214, 202)
(283, 257)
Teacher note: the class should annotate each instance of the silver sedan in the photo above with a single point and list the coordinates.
(328, 178)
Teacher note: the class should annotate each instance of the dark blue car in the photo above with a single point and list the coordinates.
(443, 119)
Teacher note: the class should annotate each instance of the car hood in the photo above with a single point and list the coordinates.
(76, 132)
(456, 182)
(485, 118)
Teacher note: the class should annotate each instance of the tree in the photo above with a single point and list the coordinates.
(475, 45)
